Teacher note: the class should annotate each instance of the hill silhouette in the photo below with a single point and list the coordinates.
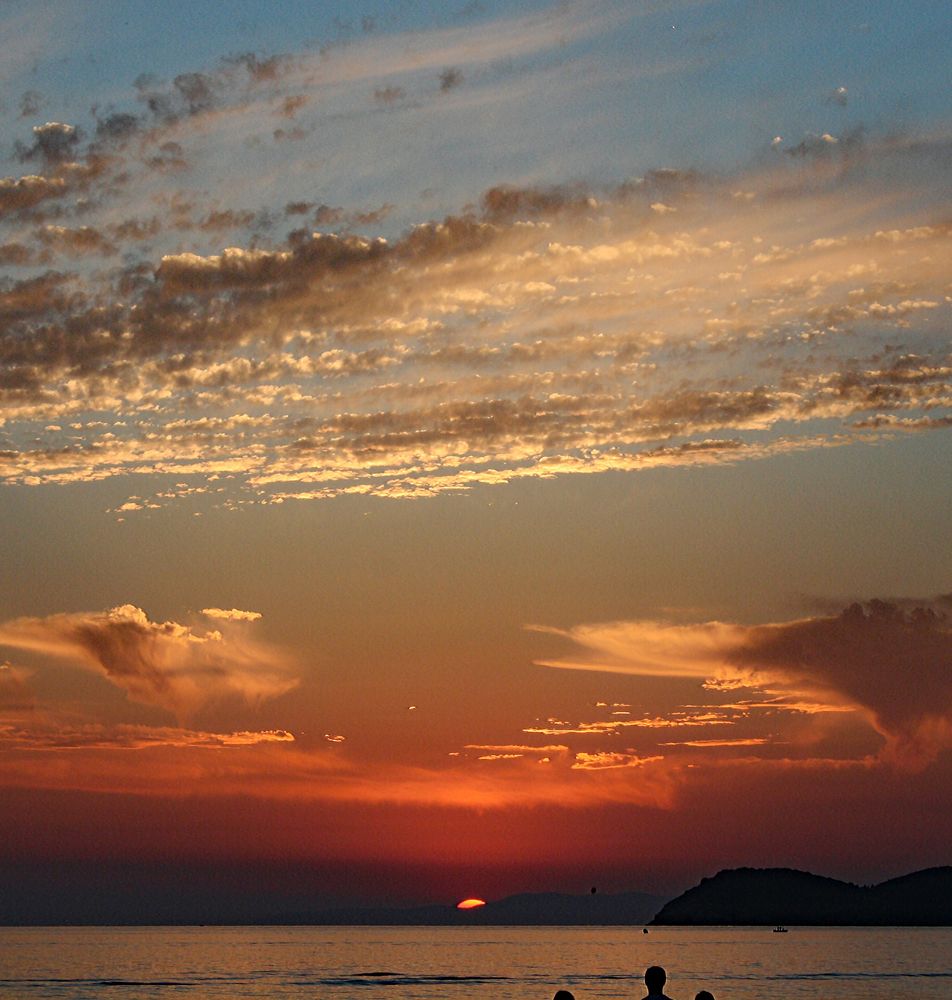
(531, 909)
(786, 896)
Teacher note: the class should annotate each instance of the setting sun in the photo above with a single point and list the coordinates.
(470, 904)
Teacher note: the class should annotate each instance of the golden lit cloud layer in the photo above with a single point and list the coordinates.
(672, 319)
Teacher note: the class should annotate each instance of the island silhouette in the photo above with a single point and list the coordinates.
(785, 896)
(738, 896)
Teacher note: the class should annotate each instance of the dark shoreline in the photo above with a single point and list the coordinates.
(739, 897)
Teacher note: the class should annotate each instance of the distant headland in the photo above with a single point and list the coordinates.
(764, 896)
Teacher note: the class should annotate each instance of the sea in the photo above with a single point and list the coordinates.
(470, 963)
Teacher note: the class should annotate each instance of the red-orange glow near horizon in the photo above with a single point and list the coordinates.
(470, 904)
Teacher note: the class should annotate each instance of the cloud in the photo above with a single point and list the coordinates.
(602, 760)
(748, 741)
(19, 193)
(889, 661)
(53, 143)
(117, 127)
(388, 96)
(450, 78)
(515, 750)
(168, 665)
(78, 241)
(234, 615)
(614, 726)
(16, 694)
(31, 101)
(16, 255)
(839, 97)
(272, 765)
(539, 331)
(97, 736)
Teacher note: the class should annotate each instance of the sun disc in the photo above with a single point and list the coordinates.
(470, 904)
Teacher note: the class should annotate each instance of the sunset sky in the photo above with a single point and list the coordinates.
(453, 449)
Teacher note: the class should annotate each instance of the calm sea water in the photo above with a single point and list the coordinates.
(453, 963)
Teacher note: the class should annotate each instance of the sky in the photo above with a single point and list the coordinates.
(456, 449)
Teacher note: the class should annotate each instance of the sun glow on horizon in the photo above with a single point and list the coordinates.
(470, 904)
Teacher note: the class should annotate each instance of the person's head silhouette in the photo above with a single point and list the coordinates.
(655, 978)
(564, 995)
(704, 995)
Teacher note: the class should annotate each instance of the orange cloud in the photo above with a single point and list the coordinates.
(165, 664)
(271, 765)
(613, 726)
(15, 692)
(753, 741)
(887, 660)
(93, 736)
(234, 615)
(601, 761)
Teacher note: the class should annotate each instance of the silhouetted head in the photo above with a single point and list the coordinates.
(704, 995)
(564, 995)
(655, 978)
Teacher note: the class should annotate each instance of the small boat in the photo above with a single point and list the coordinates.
(779, 929)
